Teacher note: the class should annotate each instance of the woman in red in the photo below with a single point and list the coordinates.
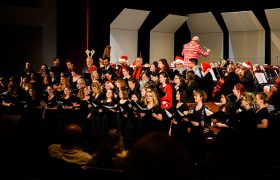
(166, 100)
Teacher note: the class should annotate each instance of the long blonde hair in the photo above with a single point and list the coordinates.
(155, 99)
(98, 87)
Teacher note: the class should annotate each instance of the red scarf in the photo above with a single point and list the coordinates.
(137, 72)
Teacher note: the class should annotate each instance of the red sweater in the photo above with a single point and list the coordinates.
(193, 50)
(166, 101)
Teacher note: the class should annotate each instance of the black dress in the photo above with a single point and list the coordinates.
(136, 119)
(180, 130)
(247, 128)
(226, 138)
(263, 133)
(73, 86)
(95, 117)
(197, 135)
(207, 84)
(108, 116)
(150, 123)
(126, 119)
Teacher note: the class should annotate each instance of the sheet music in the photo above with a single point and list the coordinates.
(110, 107)
(208, 112)
(180, 113)
(95, 105)
(261, 78)
(168, 113)
(143, 109)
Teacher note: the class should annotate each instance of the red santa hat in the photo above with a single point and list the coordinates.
(123, 59)
(247, 64)
(179, 59)
(205, 66)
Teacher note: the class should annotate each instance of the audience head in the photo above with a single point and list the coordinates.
(114, 140)
(72, 134)
(157, 155)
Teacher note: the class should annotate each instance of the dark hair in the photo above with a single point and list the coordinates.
(183, 95)
(55, 58)
(194, 60)
(137, 94)
(147, 73)
(114, 140)
(181, 78)
(75, 70)
(109, 72)
(166, 65)
(134, 81)
(164, 74)
(155, 63)
(229, 104)
(190, 77)
(154, 74)
(69, 61)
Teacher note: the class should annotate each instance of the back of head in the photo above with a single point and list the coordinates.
(114, 140)
(194, 61)
(72, 134)
(157, 155)
(195, 38)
